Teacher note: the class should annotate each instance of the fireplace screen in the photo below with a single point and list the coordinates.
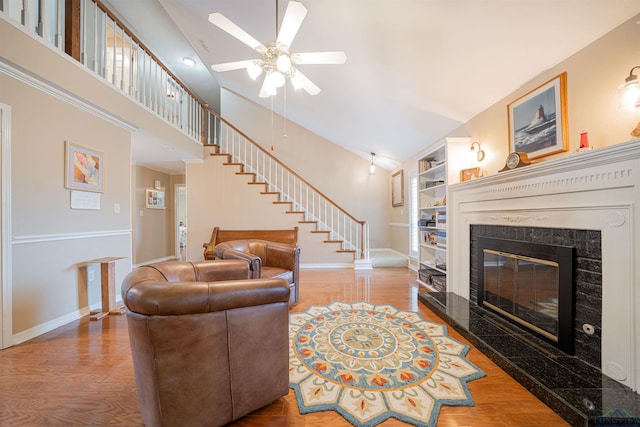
(523, 289)
(530, 284)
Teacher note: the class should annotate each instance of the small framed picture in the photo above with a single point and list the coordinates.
(84, 168)
(468, 174)
(154, 198)
(538, 120)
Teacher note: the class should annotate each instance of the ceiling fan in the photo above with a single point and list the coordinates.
(276, 61)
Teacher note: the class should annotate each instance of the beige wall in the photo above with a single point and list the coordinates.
(51, 243)
(593, 76)
(338, 173)
(218, 197)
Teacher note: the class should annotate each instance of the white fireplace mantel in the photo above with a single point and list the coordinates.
(595, 190)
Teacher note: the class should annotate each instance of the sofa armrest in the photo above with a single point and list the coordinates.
(218, 270)
(282, 256)
(208, 251)
(209, 246)
(166, 298)
(224, 251)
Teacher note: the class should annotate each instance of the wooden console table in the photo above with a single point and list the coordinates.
(108, 286)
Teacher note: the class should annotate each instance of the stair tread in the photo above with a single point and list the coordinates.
(279, 202)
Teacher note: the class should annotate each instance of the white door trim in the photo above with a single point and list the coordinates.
(6, 322)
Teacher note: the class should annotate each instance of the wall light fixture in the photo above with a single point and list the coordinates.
(629, 92)
(475, 148)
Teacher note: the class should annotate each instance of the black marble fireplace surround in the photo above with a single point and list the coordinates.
(587, 276)
(573, 386)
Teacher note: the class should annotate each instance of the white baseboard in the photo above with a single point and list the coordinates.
(326, 265)
(49, 326)
(363, 264)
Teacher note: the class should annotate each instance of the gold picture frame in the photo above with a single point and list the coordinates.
(469, 174)
(538, 120)
(397, 189)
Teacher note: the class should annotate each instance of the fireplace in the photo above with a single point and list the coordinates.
(578, 254)
(531, 285)
(591, 197)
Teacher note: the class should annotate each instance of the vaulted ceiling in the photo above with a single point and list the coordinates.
(415, 69)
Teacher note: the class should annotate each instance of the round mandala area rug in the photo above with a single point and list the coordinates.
(371, 362)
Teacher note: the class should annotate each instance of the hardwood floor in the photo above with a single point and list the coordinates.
(82, 374)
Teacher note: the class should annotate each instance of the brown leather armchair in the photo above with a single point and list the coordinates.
(209, 344)
(266, 259)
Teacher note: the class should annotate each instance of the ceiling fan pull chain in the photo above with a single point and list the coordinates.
(273, 147)
(284, 93)
(276, 19)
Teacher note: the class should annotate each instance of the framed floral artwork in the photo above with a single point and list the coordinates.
(538, 120)
(84, 168)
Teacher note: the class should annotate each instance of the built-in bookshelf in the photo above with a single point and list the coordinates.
(432, 214)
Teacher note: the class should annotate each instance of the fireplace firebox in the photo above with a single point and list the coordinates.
(531, 285)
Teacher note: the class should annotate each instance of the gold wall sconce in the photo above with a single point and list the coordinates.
(479, 152)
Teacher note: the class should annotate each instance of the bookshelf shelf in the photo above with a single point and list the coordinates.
(432, 193)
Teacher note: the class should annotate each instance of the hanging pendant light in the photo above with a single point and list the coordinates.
(372, 166)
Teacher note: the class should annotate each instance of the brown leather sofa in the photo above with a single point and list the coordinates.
(271, 253)
(209, 344)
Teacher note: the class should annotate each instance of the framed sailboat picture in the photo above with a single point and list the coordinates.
(538, 120)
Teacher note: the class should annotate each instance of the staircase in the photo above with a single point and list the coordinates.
(318, 215)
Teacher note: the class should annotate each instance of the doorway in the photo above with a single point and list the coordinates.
(181, 221)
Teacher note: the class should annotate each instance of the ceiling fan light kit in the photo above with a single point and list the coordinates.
(276, 60)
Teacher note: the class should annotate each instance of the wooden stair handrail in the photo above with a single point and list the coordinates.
(258, 146)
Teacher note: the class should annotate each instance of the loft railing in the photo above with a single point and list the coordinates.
(303, 196)
(42, 17)
(108, 49)
(96, 38)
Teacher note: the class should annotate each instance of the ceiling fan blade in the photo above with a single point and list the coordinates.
(304, 82)
(291, 22)
(229, 66)
(225, 24)
(321, 58)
